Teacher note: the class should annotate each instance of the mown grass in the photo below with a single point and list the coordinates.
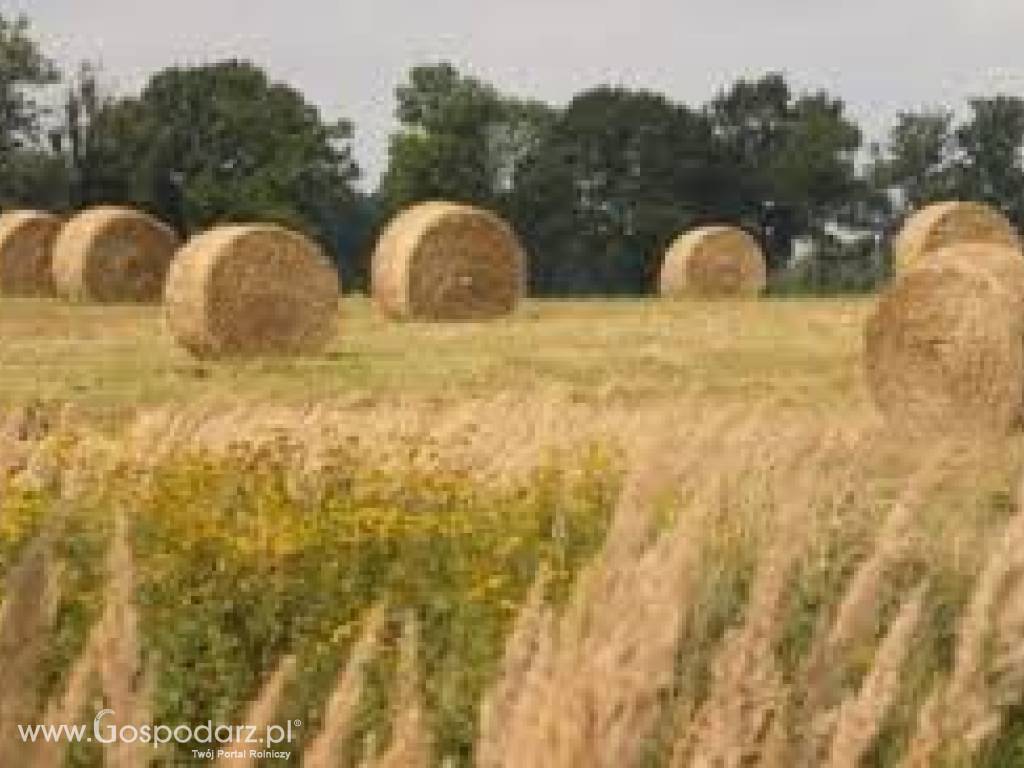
(115, 359)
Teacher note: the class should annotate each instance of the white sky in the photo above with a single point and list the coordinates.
(347, 56)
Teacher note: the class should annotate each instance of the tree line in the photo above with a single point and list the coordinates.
(597, 188)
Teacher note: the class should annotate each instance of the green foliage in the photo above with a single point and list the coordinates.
(921, 150)
(929, 157)
(240, 560)
(21, 513)
(34, 178)
(793, 158)
(22, 67)
(217, 143)
(992, 143)
(599, 189)
(617, 177)
(27, 172)
(459, 140)
(815, 167)
(834, 267)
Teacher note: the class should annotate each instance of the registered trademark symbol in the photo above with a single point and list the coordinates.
(297, 723)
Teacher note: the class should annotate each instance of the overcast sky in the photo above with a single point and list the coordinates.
(347, 55)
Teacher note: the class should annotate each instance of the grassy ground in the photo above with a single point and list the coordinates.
(626, 533)
(117, 358)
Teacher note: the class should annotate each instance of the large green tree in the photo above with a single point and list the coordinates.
(87, 107)
(619, 174)
(459, 139)
(919, 157)
(216, 143)
(796, 155)
(30, 174)
(992, 154)
(929, 157)
(23, 68)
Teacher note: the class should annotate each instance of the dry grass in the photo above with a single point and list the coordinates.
(110, 361)
(328, 746)
(243, 291)
(965, 712)
(410, 736)
(787, 582)
(25, 622)
(835, 528)
(126, 687)
(260, 714)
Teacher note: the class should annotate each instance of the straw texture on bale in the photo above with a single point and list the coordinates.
(445, 261)
(250, 290)
(710, 262)
(945, 346)
(944, 224)
(26, 253)
(111, 255)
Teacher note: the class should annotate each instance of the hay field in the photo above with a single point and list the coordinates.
(115, 359)
(606, 533)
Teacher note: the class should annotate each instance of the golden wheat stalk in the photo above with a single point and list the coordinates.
(734, 724)
(861, 718)
(120, 660)
(858, 608)
(500, 701)
(963, 713)
(819, 679)
(589, 681)
(515, 714)
(259, 715)
(327, 749)
(26, 617)
(411, 744)
(743, 718)
(66, 709)
(111, 657)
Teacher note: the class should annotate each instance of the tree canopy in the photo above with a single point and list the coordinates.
(794, 155)
(616, 177)
(27, 171)
(459, 139)
(219, 142)
(930, 157)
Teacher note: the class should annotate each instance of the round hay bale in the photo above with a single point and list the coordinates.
(944, 348)
(445, 261)
(714, 262)
(249, 290)
(110, 255)
(944, 224)
(26, 253)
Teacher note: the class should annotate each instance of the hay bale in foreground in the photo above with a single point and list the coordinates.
(26, 253)
(944, 349)
(248, 290)
(445, 261)
(109, 255)
(712, 262)
(941, 225)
